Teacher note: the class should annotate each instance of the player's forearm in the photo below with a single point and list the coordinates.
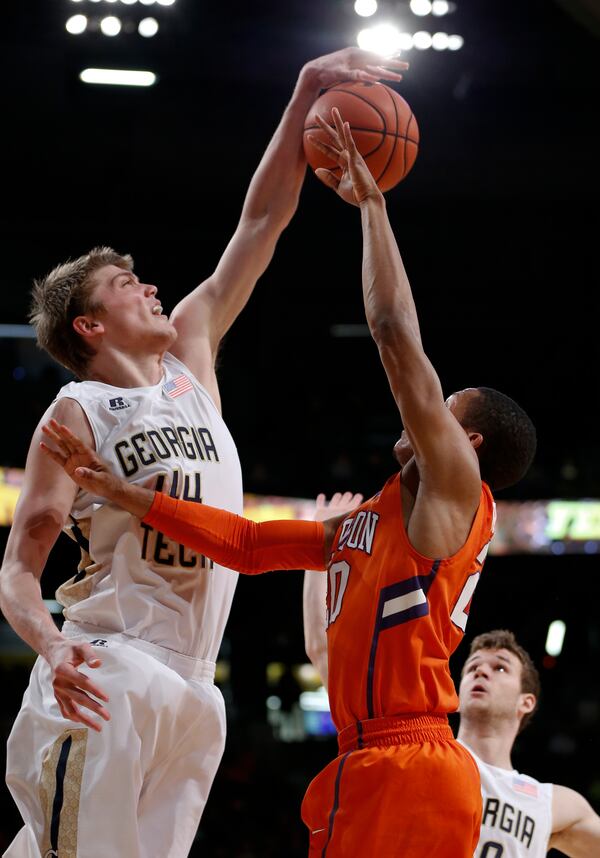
(275, 186)
(236, 542)
(389, 305)
(314, 611)
(22, 605)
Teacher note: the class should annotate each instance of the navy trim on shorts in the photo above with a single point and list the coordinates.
(336, 802)
(61, 769)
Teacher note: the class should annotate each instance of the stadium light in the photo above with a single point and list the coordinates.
(76, 24)
(455, 43)
(420, 7)
(365, 8)
(555, 637)
(422, 40)
(383, 39)
(148, 27)
(118, 77)
(110, 26)
(440, 7)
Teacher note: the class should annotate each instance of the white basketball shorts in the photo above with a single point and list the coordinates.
(138, 788)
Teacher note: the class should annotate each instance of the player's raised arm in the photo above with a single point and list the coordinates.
(206, 314)
(446, 459)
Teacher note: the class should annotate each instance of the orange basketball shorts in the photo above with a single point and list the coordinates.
(399, 788)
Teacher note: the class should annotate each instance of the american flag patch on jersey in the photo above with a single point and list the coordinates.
(178, 385)
(521, 785)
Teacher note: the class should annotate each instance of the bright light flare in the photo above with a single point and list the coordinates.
(420, 7)
(383, 39)
(118, 77)
(455, 43)
(148, 27)
(365, 8)
(76, 24)
(110, 26)
(555, 637)
(422, 40)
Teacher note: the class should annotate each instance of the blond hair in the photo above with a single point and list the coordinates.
(65, 293)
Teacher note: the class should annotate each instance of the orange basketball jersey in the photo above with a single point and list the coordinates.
(395, 617)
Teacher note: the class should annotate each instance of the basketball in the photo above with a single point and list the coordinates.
(383, 126)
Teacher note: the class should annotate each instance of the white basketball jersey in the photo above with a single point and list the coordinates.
(132, 578)
(517, 814)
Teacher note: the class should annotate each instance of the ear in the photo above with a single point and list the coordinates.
(88, 327)
(475, 439)
(526, 704)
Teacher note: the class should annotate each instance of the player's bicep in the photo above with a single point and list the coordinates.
(44, 503)
(440, 444)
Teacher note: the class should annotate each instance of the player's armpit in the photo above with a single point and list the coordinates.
(237, 542)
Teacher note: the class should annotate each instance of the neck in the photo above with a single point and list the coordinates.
(491, 742)
(123, 370)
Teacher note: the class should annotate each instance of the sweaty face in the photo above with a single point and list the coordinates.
(490, 687)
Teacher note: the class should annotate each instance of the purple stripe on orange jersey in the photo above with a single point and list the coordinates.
(398, 603)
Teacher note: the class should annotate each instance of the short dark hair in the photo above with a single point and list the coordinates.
(530, 678)
(509, 437)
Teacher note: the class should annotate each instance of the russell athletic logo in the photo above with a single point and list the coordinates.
(118, 403)
(99, 642)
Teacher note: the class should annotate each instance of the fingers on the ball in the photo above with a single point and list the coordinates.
(327, 177)
(328, 150)
(326, 127)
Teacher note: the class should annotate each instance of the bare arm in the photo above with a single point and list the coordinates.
(575, 824)
(203, 317)
(447, 463)
(314, 595)
(44, 504)
(314, 610)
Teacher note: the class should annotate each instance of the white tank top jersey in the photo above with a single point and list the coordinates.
(517, 813)
(131, 578)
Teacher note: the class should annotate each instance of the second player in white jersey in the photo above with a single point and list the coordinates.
(517, 814)
(133, 579)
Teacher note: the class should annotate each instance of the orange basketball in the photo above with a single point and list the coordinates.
(383, 126)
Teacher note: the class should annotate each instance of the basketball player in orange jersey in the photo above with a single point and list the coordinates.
(522, 818)
(148, 401)
(402, 569)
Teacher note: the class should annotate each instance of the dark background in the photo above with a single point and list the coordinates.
(498, 225)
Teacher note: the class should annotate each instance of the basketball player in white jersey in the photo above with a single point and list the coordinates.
(522, 818)
(121, 729)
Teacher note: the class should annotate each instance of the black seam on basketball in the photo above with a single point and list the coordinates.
(395, 136)
(366, 100)
(412, 116)
(370, 131)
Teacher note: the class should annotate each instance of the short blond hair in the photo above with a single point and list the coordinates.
(65, 293)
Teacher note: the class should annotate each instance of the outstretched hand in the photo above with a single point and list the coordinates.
(340, 505)
(356, 183)
(90, 472)
(354, 64)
